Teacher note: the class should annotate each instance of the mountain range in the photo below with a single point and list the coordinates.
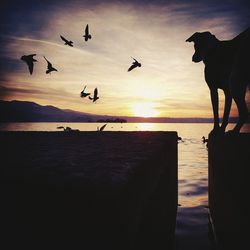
(24, 111)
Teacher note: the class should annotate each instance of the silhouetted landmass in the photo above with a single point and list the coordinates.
(23, 111)
(113, 120)
(20, 111)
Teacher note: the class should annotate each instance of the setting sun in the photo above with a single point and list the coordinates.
(144, 110)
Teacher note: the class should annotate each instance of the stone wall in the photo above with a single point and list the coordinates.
(229, 186)
(89, 190)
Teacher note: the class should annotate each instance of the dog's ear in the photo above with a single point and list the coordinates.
(193, 37)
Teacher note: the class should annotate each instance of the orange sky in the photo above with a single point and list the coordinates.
(167, 85)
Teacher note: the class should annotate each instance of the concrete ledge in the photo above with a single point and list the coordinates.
(89, 190)
(229, 164)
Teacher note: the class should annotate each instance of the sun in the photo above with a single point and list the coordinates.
(145, 109)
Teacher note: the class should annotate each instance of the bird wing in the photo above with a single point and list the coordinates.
(134, 59)
(82, 92)
(64, 39)
(132, 67)
(49, 63)
(95, 92)
(31, 66)
(87, 30)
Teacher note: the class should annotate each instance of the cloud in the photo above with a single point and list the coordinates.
(152, 32)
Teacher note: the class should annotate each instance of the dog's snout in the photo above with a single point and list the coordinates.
(196, 57)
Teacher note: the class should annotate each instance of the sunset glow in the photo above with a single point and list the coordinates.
(144, 110)
(167, 84)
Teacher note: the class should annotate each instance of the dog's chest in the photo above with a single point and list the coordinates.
(218, 68)
(218, 75)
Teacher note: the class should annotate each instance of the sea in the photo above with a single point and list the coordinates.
(193, 230)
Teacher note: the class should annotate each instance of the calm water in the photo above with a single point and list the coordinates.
(192, 219)
(192, 153)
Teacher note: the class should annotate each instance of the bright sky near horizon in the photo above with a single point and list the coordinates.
(168, 84)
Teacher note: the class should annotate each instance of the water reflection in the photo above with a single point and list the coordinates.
(192, 132)
(193, 221)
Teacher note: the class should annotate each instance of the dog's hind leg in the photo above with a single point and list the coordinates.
(238, 91)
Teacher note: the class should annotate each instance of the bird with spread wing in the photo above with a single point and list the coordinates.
(134, 65)
(84, 94)
(87, 34)
(95, 97)
(30, 61)
(50, 68)
(67, 42)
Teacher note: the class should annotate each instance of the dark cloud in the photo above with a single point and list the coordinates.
(48, 93)
(6, 91)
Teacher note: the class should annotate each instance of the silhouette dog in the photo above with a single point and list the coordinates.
(227, 67)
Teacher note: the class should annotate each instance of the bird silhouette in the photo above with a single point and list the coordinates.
(102, 127)
(30, 61)
(95, 97)
(60, 127)
(87, 35)
(134, 64)
(68, 129)
(204, 139)
(49, 67)
(67, 42)
(83, 94)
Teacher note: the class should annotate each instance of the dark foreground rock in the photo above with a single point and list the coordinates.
(88, 190)
(229, 165)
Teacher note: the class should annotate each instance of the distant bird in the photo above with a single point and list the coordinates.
(30, 61)
(134, 64)
(102, 127)
(68, 129)
(87, 35)
(60, 127)
(67, 42)
(95, 97)
(204, 139)
(49, 67)
(83, 94)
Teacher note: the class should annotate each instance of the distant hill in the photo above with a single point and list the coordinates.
(23, 111)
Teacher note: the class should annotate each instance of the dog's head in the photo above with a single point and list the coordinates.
(203, 41)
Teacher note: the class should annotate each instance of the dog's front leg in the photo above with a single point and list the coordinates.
(227, 107)
(215, 100)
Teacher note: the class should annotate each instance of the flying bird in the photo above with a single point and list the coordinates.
(84, 94)
(49, 67)
(95, 97)
(134, 64)
(67, 42)
(87, 35)
(30, 61)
